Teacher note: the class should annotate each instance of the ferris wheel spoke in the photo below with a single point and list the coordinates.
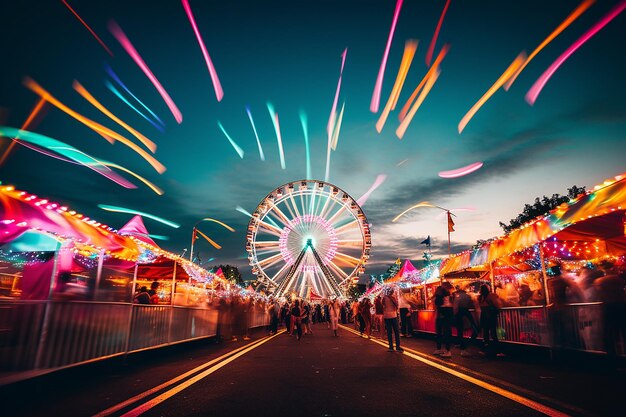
(336, 269)
(293, 203)
(337, 213)
(345, 257)
(279, 214)
(348, 225)
(350, 242)
(269, 262)
(266, 244)
(312, 201)
(281, 270)
(323, 213)
(270, 229)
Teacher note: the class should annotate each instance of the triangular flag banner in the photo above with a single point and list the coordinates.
(425, 241)
(450, 223)
(137, 229)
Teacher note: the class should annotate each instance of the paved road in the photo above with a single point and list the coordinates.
(318, 376)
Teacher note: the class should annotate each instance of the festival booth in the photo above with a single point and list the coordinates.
(585, 237)
(67, 287)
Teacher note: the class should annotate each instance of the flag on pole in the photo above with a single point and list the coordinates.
(450, 223)
(426, 241)
(195, 235)
(398, 261)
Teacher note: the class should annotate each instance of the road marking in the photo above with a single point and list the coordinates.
(172, 381)
(170, 393)
(549, 411)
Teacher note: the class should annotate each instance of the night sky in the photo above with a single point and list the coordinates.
(289, 53)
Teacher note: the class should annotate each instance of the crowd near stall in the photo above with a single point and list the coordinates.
(73, 290)
(559, 280)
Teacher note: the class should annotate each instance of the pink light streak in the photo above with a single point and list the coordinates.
(375, 103)
(333, 110)
(130, 49)
(534, 91)
(460, 172)
(219, 93)
(431, 48)
(377, 183)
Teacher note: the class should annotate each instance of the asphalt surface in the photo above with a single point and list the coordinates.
(322, 375)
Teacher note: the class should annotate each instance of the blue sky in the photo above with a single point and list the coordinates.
(289, 53)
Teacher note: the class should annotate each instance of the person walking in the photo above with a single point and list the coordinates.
(296, 319)
(390, 314)
(306, 317)
(443, 320)
(406, 329)
(378, 315)
(365, 309)
(333, 311)
(489, 304)
(461, 306)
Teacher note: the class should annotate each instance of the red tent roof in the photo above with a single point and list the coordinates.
(407, 269)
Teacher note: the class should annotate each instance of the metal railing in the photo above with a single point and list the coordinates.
(577, 326)
(38, 335)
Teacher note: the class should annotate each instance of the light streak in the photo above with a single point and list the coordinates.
(107, 133)
(279, 139)
(381, 71)
(232, 142)
(65, 150)
(568, 21)
(119, 95)
(379, 180)
(534, 91)
(208, 219)
(211, 241)
(431, 71)
(407, 120)
(401, 162)
(517, 62)
(150, 185)
(243, 210)
(91, 99)
(113, 75)
(459, 172)
(337, 128)
(431, 48)
(130, 49)
(219, 93)
(25, 126)
(116, 209)
(88, 28)
(333, 111)
(305, 129)
(409, 52)
(421, 204)
(255, 134)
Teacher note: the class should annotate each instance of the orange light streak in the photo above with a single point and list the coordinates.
(25, 126)
(429, 74)
(409, 52)
(40, 91)
(515, 65)
(91, 99)
(407, 120)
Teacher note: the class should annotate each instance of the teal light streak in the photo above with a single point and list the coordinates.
(305, 128)
(140, 213)
(119, 95)
(232, 142)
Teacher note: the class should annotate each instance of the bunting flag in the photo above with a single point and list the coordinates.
(426, 241)
(450, 223)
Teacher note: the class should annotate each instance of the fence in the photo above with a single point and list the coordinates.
(45, 335)
(579, 326)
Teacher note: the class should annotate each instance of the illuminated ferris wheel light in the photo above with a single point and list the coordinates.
(308, 236)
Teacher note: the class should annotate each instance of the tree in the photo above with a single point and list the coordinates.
(355, 291)
(231, 273)
(540, 207)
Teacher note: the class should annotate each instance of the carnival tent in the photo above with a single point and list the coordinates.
(407, 270)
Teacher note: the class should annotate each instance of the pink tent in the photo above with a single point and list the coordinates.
(406, 270)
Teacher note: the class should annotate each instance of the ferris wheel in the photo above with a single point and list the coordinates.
(308, 236)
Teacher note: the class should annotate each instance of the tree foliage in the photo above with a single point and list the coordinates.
(231, 273)
(540, 207)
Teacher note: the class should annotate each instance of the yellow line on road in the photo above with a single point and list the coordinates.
(549, 411)
(170, 393)
(172, 381)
